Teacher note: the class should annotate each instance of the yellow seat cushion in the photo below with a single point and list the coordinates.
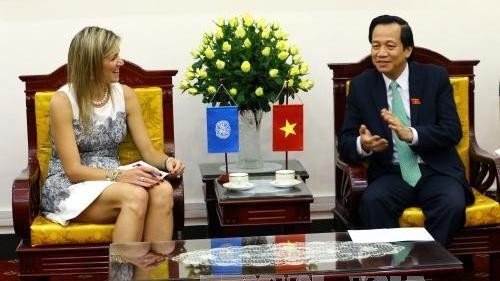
(484, 211)
(43, 231)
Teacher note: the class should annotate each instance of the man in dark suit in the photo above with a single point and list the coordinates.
(402, 119)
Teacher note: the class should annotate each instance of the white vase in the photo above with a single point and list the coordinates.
(250, 156)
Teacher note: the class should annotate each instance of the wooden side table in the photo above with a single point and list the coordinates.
(240, 213)
(210, 171)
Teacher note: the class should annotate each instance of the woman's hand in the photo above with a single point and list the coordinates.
(141, 176)
(175, 166)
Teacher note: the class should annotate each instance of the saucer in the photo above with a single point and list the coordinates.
(287, 183)
(232, 186)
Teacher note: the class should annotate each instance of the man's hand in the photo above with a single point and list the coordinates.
(371, 142)
(404, 133)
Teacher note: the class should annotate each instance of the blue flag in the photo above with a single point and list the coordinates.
(222, 129)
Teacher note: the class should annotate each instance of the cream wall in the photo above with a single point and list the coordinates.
(159, 35)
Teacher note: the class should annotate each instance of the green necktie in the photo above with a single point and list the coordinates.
(408, 162)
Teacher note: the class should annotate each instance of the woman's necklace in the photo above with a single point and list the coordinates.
(102, 101)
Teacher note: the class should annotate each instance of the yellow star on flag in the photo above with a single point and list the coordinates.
(289, 128)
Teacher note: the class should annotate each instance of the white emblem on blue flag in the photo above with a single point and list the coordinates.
(222, 129)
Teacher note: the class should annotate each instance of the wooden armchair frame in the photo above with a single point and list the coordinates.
(350, 180)
(83, 260)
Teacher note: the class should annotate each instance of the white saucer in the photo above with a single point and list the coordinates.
(287, 183)
(232, 186)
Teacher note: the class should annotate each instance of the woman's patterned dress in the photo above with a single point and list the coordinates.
(63, 200)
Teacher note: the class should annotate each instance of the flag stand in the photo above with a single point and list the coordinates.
(223, 178)
(286, 102)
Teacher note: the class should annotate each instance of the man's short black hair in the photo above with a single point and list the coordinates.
(406, 33)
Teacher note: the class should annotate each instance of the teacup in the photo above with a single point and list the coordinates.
(285, 175)
(238, 179)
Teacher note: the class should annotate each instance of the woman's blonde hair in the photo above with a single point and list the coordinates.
(86, 54)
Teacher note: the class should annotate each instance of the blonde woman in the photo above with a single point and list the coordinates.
(89, 118)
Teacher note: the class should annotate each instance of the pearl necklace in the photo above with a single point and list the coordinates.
(102, 101)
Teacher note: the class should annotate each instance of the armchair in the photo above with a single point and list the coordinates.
(478, 239)
(79, 249)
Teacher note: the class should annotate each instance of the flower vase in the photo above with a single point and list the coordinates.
(249, 130)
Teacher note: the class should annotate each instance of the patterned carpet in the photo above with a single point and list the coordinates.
(9, 270)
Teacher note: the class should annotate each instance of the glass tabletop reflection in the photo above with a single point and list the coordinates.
(319, 253)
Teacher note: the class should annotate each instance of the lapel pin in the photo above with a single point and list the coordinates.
(415, 101)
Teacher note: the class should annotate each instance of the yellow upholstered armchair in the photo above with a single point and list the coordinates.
(479, 238)
(79, 249)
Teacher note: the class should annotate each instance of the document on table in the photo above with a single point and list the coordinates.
(390, 235)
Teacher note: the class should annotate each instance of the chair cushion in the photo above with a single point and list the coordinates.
(45, 232)
(484, 211)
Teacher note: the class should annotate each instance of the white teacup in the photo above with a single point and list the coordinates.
(285, 175)
(238, 179)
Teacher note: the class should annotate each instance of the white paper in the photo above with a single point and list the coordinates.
(144, 164)
(390, 235)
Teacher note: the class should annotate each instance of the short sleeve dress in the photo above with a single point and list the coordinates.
(63, 200)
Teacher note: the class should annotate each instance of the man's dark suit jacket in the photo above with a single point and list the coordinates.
(433, 115)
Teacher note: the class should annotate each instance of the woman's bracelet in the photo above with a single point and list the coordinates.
(113, 174)
(166, 161)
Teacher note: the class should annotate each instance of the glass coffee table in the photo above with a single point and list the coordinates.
(319, 256)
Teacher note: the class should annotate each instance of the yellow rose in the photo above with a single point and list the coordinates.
(209, 53)
(195, 54)
(245, 66)
(273, 73)
(240, 32)
(192, 91)
(219, 33)
(266, 33)
(220, 64)
(247, 43)
(233, 91)
(266, 51)
(276, 25)
(226, 47)
(259, 91)
(310, 84)
(283, 55)
(304, 68)
(247, 19)
(184, 85)
(233, 22)
(297, 59)
(189, 75)
(303, 85)
(261, 23)
(281, 45)
(294, 70)
(211, 90)
(220, 21)
(289, 82)
(294, 50)
(202, 73)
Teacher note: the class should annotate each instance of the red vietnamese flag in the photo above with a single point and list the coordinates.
(288, 127)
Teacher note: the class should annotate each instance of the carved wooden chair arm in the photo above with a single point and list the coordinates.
(485, 168)
(352, 184)
(26, 198)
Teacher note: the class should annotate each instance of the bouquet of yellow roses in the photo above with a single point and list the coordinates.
(252, 60)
